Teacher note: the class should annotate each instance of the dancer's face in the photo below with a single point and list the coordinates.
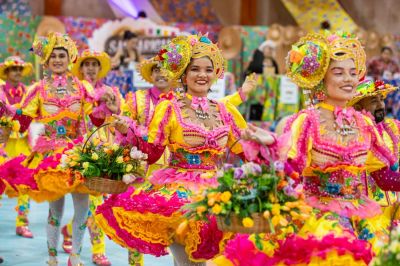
(14, 74)
(90, 69)
(373, 104)
(58, 61)
(199, 76)
(159, 80)
(341, 81)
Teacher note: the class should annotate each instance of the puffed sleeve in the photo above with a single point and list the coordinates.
(232, 117)
(236, 98)
(299, 143)
(162, 123)
(379, 155)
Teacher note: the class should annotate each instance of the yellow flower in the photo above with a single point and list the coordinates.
(211, 202)
(73, 163)
(226, 196)
(115, 147)
(201, 209)
(267, 214)
(276, 209)
(96, 141)
(85, 165)
(283, 221)
(120, 159)
(95, 157)
(129, 168)
(216, 209)
(275, 220)
(248, 222)
(15, 126)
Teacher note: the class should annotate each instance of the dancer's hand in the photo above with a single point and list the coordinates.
(258, 134)
(109, 99)
(120, 124)
(249, 84)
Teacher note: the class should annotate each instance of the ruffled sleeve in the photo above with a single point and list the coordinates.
(32, 101)
(236, 99)
(299, 143)
(379, 155)
(232, 117)
(162, 123)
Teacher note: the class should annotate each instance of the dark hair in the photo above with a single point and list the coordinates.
(129, 35)
(154, 67)
(325, 25)
(98, 62)
(142, 14)
(384, 48)
(256, 64)
(61, 48)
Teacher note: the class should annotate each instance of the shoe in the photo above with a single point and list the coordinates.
(67, 242)
(70, 264)
(23, 231)
(100, 259)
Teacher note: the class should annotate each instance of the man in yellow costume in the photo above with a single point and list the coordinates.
(370, 98)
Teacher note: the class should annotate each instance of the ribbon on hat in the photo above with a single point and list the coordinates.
(201, 102)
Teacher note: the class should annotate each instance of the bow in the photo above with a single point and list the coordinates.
(15, 92)
(201, 102)
(59, 81)
(342, 115)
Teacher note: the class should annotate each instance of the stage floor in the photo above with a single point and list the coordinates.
(18, 251)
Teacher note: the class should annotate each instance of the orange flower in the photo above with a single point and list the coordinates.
(296, 57)
(282, 184)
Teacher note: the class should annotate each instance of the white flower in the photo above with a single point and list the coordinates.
(137, 154)
(128, 178)
(63, 162)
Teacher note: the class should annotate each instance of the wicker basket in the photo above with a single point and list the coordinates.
(4, 134)
(261, 224)
(107, 186)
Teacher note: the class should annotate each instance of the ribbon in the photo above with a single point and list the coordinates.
(59, 81)
(343, 115)
(201, 102)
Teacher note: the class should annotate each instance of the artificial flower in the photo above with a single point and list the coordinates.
(216, 209)
(95, 156)
(120, 159)
(129, 167)
(226, 196)
(248, 222)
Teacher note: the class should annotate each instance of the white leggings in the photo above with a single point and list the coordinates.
(56, 210)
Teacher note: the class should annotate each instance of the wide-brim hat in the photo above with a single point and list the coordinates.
(102, 57)
(145, 69)
(15, 61)
(369, 89)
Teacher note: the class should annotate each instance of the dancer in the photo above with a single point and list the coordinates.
(140, 107)
(332, 147)
(92, 67)
(12, 70)
(60, 102)
(197, 131)
(370, 99)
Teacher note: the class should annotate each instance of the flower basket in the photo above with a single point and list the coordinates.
(107, 186)
(261, 225)
(106, 168)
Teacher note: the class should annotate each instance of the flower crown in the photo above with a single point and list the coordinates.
(176, 55)
(309, 58)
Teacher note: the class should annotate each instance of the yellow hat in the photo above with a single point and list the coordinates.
(44, 46)
(309, 58)
(145, 68)
(102, 57)
(369, 89)
(17, 62)
(176, 55)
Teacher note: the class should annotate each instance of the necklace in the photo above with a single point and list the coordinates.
(200, 114)
(344, 122)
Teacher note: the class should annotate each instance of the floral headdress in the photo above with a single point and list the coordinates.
(309, 58)
(44, 46)
(369, 88)
(102, 57)
(17, 62)
(176, 55)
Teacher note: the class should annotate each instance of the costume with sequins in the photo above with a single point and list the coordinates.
(147, 219)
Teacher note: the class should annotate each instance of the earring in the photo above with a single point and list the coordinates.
(320, 92)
